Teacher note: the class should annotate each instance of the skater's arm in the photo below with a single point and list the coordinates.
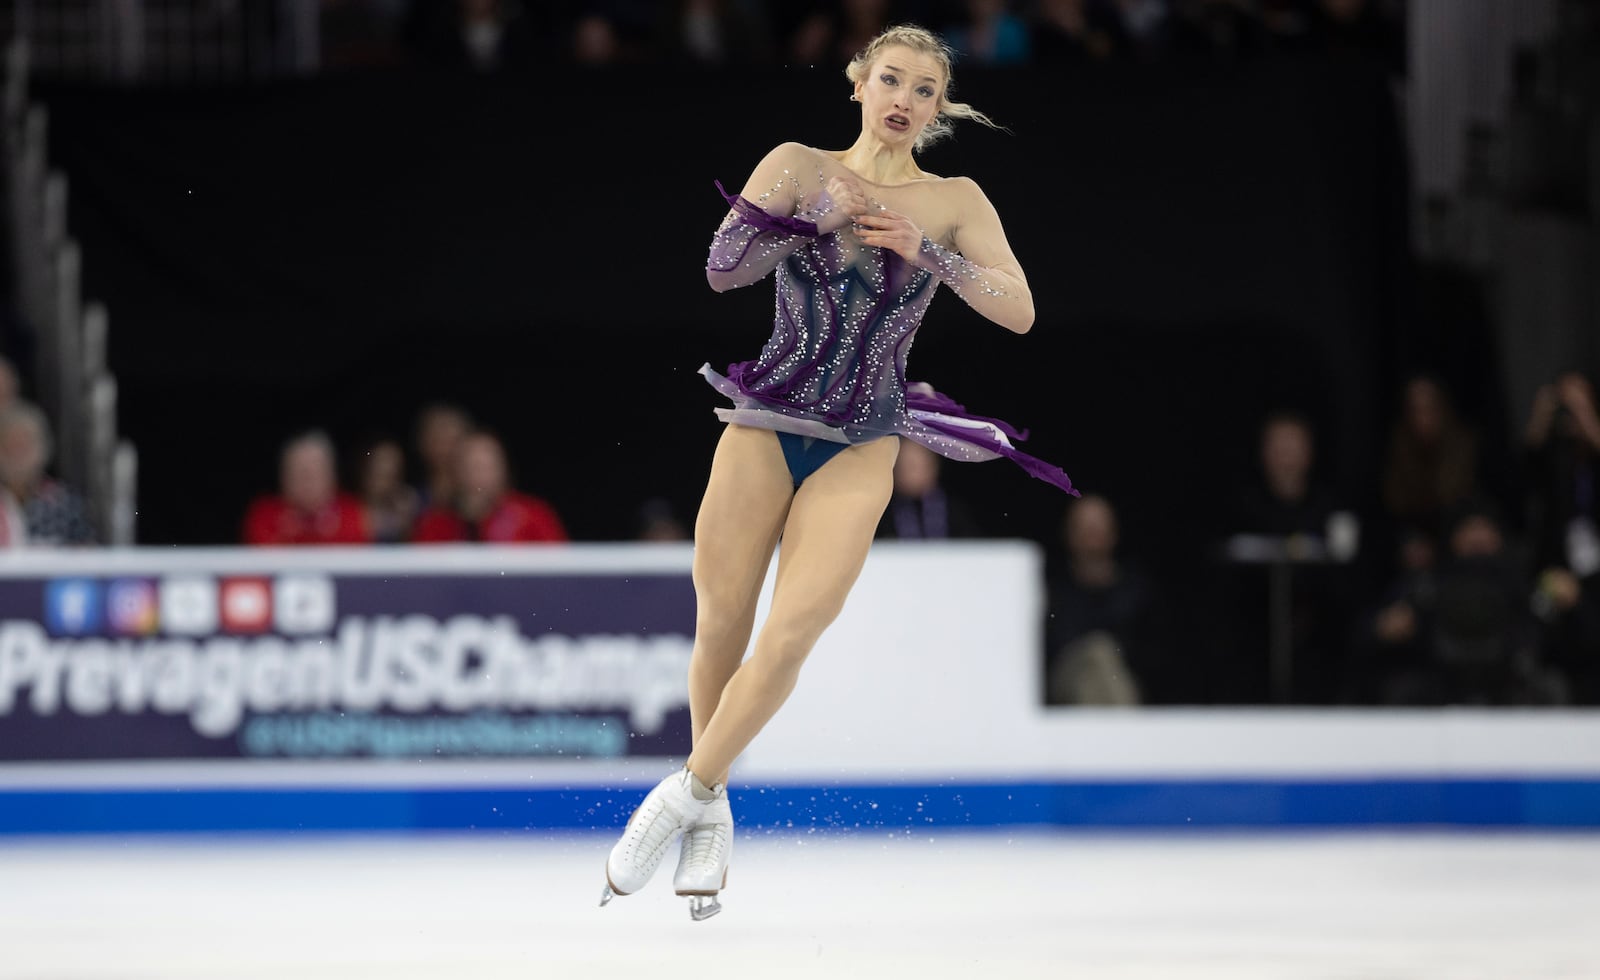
(981, 269)
(762, 227)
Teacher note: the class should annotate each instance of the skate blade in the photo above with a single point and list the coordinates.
(703, 907)
(606, 896)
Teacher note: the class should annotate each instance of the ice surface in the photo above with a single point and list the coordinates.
(1351, 907)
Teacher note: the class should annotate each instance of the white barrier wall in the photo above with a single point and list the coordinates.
(930, 677)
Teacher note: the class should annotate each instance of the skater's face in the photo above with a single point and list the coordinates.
(900, 94)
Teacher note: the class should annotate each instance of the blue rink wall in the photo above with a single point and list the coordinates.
(542, 689)
(1508, 804)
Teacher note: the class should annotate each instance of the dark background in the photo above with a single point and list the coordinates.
(1204, 243)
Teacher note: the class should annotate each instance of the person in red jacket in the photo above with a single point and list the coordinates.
(309, 508)
(485, 508)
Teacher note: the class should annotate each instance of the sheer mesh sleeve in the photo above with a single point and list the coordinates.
(757, 235)
(972, 282)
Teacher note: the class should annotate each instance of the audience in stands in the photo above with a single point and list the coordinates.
(990, 34)
(483, 505)
(659, 521)
(1562, 446)
(1475, 642)
(484, 35)
(9, 385)
(440, 429)
(391, 504)
(1290, 516)
(309, 508)
(1097, 614)
(35, 511)
(1432, 463)
(920, 509)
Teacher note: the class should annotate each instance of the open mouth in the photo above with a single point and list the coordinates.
(897, 122)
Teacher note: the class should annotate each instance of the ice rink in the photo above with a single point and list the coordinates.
(1219, 907)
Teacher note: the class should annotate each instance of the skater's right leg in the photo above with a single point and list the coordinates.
(746, 502)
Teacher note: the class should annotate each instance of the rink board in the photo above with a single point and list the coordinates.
(171, 690)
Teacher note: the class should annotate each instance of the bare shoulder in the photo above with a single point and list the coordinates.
(966, 190)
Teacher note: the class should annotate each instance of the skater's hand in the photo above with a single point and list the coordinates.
(849, 200)
(892, 230)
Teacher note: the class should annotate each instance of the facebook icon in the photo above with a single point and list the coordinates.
(73, 607)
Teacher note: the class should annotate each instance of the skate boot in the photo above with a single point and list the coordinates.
(666, 811)
(703, 858)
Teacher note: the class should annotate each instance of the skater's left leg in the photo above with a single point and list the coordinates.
(825, 542)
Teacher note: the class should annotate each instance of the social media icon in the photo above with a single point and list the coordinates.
(131, 606)
(246, 605)
(303, 604)
(73, 607)
(189, 605)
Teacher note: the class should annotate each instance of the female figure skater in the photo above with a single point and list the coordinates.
(860, 239)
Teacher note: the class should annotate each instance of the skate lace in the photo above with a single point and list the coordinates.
(648, 837)
(706, 846)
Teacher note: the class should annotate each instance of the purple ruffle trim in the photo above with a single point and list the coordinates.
(754, 215)
(927, 404)
(926, 409)
(984, 439)
(921, 397)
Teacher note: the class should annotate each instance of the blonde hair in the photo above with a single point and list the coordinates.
(922, 41)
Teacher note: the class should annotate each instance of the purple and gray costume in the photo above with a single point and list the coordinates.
(835, 365)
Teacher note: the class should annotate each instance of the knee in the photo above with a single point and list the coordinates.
(722, 618)
(787, 640)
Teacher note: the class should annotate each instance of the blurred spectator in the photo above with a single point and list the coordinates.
(309, 507)
(835, 33)
(1569, 611)
(920, 509)
(615, 31)
(594, 41)
(1389, 641)
(1069, 31)
(1358, 30)
(1096, 614)
(659, 522)
(1285, 501)
(991, 34)
(1433, 458)
(1475, 645)
(440, 429)
(1563, 467)
(716, 32)
(482, 35)
(390, 503)
(1296, 518)
(8, 384)
(359, 33)
(35, 511)
(484, 506)
(1216, 29)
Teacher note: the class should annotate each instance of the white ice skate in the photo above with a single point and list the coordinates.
(703, 858)
(666, 812)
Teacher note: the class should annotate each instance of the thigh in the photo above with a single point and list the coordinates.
(741, 515)
(830, 529)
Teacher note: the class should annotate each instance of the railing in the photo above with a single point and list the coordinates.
(166, 40)
(74, 383)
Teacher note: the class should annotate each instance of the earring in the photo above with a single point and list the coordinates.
(854, 97)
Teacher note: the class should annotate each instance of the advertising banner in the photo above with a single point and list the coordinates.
(300, 662)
